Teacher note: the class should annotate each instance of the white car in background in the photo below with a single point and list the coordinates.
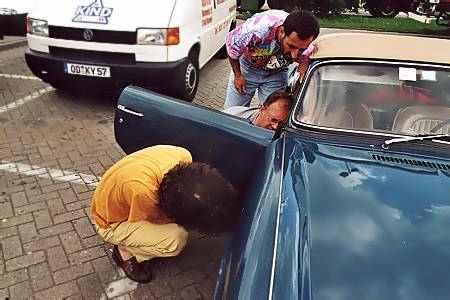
(106, 44)
(13, 16)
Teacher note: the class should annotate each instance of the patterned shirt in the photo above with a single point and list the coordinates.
(256, 40)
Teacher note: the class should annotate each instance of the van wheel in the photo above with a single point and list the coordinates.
(186, 83)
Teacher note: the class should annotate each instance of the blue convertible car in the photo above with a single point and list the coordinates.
(351, 200)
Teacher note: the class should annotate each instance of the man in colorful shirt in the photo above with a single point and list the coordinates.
(261, 49)
(146, 202)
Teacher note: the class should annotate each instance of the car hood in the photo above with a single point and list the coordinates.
(108, 15)
(378, 222)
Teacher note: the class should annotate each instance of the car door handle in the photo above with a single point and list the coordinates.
(123, 108)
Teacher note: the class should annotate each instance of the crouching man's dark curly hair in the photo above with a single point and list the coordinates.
(197, 196)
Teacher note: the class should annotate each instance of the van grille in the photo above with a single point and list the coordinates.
(78, 55)
(99, 36)
(412, 162)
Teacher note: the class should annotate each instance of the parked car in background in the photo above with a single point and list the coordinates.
(387, 8)
(351, 199)
(426, 10)
(13, 16)
(110, 44)
(318, 6)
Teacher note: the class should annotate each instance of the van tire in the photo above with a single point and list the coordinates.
(186, 82)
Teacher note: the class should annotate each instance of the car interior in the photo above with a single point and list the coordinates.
(378, 99)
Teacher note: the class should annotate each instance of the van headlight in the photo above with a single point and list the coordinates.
(166, 36)
(37, 27)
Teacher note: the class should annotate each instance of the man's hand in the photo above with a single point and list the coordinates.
(239, 84)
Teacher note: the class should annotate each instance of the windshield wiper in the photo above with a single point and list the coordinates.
(412, 138)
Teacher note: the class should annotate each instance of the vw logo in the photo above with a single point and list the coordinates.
(88, 35)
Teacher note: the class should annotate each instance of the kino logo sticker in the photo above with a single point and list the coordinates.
(93, 13)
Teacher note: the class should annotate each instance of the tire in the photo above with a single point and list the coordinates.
(275, 4)
(388, 9)
(287, 5)
(186, 83)
(389, 12)
(261, 3)
(375, 12)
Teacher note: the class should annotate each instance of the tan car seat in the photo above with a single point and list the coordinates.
(422, 119)
(353, 116)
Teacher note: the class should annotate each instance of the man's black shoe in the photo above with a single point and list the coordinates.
(134, 270)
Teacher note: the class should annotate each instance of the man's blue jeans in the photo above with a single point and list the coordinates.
(263, 81)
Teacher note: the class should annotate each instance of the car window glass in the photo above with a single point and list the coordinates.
(382, 98)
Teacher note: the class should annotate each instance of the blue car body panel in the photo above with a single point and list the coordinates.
(377, 231)
(321, 219)
(349, 226)
(243, 274)
(228, 143)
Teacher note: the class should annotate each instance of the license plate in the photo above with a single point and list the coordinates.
(87, 70)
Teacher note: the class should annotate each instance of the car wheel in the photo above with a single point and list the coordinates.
(383, 9)
(288, 5)
(275, 4)
(261, 3)
(388, 11)
(374, 12)
(222, 53)
(187, 80)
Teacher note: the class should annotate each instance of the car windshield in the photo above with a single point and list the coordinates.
(385, 98)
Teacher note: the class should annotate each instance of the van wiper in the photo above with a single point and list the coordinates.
(412, 138)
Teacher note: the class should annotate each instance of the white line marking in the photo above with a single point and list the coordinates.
(25, 100)
(47, 173)
(20, 77)
(119, 287)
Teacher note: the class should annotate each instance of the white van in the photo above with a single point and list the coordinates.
(154, 43)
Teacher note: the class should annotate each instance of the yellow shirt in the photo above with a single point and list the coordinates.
(129, 189)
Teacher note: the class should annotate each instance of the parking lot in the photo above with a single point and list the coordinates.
(54, 146)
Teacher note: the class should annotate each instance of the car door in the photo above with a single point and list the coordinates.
(234, 146)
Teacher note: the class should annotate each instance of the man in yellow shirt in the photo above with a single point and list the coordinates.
(146, 202)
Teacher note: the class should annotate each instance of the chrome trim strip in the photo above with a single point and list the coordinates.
(123, 108)
(327, 62)
(275, 246)
(441, 142)
(352, 131)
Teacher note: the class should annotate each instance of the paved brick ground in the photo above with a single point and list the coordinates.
(49, 249)
(53, 148)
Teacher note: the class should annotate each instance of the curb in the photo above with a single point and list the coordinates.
(11, 45)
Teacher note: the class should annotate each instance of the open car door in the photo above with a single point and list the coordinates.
(230, 144)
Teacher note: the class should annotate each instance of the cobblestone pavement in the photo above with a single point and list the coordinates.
(53, 148)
